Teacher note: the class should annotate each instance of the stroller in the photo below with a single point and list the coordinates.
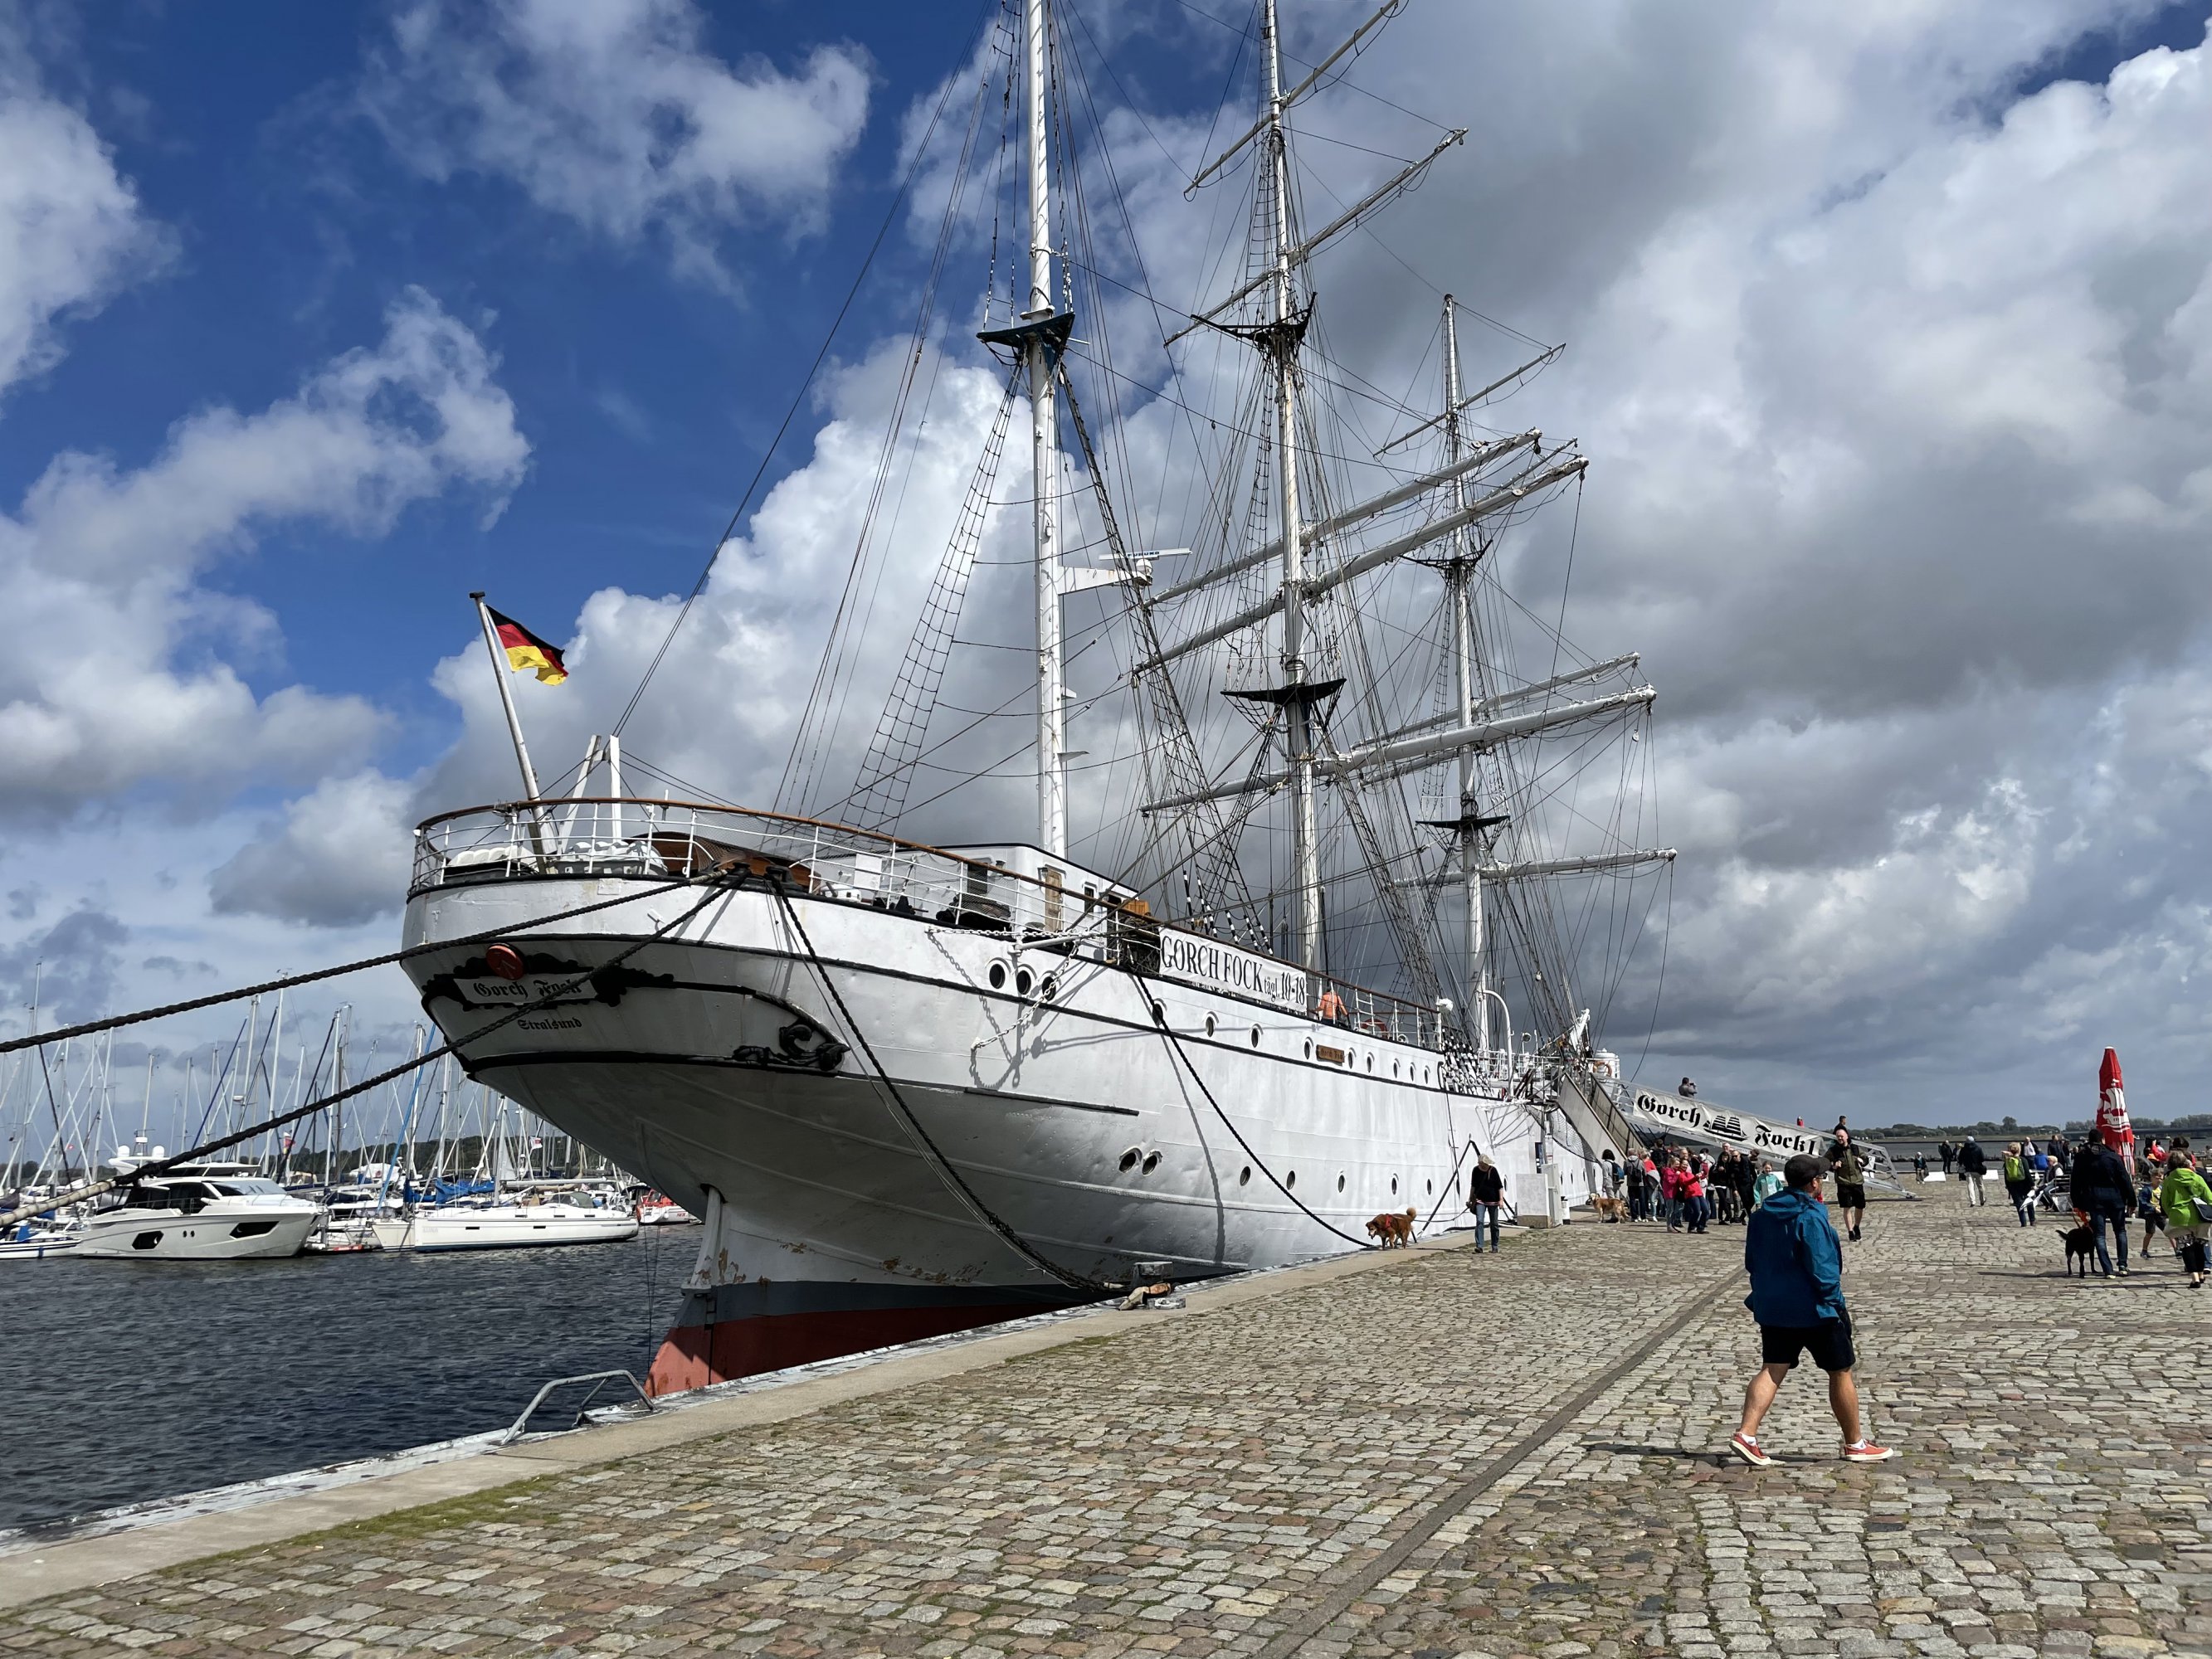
(2055, 1192)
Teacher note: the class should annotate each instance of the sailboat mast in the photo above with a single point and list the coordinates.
(1040, 349)
(1459, 582)
(1305, 850)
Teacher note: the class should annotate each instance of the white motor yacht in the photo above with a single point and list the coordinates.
(200, 1213)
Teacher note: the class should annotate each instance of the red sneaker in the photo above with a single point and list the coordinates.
(1865, 1452)
(1747, 1447)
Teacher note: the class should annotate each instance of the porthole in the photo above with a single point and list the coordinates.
(1129, 1160)
(1025, 981)
(1255, 1036)
(1340, 1183)
(1209, 1025)
(1425, 1074)
(1244, 1176)
(1370, 1061)
(998, 976)
(1394, 1186)
(1159, 1015)
(1050, 988)
(1292, 1179)
(1430, 1187)
(1394, 1068)
(1152, 1162)
(1309, 1048)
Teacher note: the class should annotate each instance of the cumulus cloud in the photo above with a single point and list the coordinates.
(115, 677)
(616, 115)
(1896, 382)
(338, 856)
(72, 230)
(727, 697)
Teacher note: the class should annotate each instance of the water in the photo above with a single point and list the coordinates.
(124, 1381)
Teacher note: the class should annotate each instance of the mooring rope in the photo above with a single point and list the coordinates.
(949, 1175)
(113, 1021)
(1174, 1047)
(159, 1166)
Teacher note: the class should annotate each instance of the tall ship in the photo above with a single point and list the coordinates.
(1323, 896)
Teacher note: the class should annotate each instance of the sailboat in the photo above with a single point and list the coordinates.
(912, 1085)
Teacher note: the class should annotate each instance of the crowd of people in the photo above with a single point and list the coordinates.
(1688, 1189)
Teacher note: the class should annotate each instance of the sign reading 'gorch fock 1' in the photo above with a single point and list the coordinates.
(1706, 1121)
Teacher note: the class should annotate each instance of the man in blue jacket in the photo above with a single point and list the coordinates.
(1797, 1268)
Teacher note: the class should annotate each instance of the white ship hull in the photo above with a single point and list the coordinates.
(1070, 1116)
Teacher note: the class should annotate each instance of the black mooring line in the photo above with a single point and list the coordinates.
(1453, 1502)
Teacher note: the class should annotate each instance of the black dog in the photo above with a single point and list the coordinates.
(2081, 1241)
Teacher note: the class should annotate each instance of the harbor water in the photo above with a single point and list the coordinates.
(125, 1381)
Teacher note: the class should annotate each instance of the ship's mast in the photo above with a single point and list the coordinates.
(1283, 340)
(1459, 584)
(1040, 351)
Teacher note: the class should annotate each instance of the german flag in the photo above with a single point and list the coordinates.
(525, 650)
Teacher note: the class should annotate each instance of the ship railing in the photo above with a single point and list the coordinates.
(565, 838)
(1377, 1014)
(637, 837)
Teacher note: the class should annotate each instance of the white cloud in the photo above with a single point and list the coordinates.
(340, 856)
(725, 702)
(72, 231)
(113, 677)
(613, 113)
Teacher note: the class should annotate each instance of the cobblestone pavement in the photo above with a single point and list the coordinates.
(1429, 1462)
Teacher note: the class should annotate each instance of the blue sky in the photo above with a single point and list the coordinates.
(646, 398)
(1886, 338)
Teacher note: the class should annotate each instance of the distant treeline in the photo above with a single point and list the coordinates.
(2195, 1123)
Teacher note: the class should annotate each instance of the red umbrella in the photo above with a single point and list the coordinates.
(2113, 1126)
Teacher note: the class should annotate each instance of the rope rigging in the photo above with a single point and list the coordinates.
(930, 1150)
(113, 1022)
(545, 999)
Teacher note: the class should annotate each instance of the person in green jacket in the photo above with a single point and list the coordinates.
(1850, 1182)
(2185, 1201)
(1770, 1183)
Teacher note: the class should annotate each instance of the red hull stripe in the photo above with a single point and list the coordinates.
(694, 1356)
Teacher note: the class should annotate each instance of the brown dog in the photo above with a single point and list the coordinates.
(1393, 1229)
(1609, 1209)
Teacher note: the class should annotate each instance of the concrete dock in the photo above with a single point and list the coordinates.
(1429, 1453)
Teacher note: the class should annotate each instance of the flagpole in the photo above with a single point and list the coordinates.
(507, 696)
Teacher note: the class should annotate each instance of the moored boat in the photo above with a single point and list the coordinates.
(211, 1212)
(503, 1227)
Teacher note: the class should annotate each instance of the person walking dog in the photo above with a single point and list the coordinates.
(2105, 1191)
(1796, 1268)
(1486, 1192)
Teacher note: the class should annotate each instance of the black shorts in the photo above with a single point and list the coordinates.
(1829, 1342)
(1849, 1197)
